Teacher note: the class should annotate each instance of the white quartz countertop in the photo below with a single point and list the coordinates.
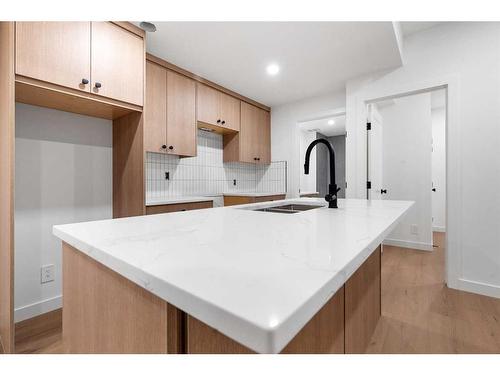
(251, 194)
(257, 277)
(174, 200)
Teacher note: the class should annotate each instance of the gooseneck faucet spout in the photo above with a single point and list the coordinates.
(331, 197)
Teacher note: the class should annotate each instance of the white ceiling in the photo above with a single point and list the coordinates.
(412, 27)
(315, 57)
(322, 126)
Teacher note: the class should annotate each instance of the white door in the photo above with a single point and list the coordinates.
(375, 154)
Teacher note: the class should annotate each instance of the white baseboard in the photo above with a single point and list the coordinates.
(408, 244)
(37, 308)
(477, 287)
(439, 229)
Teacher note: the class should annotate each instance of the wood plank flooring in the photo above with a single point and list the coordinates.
(419, 313)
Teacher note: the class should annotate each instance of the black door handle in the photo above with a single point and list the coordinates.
(383, 191)
(433, 189)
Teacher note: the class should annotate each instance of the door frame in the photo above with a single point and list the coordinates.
(356, 148)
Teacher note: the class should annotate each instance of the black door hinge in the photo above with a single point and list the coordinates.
(368, 184)
(368, 126)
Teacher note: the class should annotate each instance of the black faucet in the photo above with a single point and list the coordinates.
(331, 197)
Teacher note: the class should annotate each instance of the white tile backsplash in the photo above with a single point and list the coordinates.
(206, 174)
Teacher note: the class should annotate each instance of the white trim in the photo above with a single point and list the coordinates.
(408, 244)
(476, 287)
(37, 308)
(439, 229)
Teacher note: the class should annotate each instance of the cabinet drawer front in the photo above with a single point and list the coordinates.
(118, 60)
(55, 52)
(176, 207)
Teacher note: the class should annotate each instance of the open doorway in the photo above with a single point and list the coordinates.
(406, 151)
(333, 129)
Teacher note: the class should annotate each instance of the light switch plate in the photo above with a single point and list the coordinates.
(47, 273)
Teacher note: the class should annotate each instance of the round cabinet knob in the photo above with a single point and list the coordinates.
(223, 122)
(218, 121)
(383, 191)
(164, 147)
(170, 147)
(98, 85)
(85, 81)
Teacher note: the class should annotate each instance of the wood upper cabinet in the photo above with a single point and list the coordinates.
(254, 138)
(55, 52)
(117, 63)
(207, 106)
(216, 108)
(181, 115)
(230, 111)
(170, 112)
(155, 110)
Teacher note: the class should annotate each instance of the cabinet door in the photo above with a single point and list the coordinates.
(155, 110)
(249, 133)
(181, 115)
(117, 63)
(55, 52)
(230, 111)
(264, 138)
(208, 105)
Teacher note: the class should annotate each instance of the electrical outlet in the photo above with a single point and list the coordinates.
(47, 273)
(414, 229)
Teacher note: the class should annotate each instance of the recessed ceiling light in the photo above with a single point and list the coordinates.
(148, 26)
(273, 69)
(331, 122)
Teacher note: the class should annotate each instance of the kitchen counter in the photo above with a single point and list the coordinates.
(257, 277)
(251, 194)
(175, 200)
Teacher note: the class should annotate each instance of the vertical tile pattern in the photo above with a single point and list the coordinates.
(206, 174)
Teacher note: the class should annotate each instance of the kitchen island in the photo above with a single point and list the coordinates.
(227, 280)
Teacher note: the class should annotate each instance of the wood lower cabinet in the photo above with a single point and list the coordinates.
(253, 142)
(56, 52)
(177, 207)
(323, 334)
(363, 304)
(344, 324)
(217, 108)
(117, 66)
(232, 200)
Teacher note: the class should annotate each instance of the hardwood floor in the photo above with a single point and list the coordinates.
(419, 313)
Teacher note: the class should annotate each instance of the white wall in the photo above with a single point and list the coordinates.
(63, 175)
(285, 133)
(407, 167)
(439, 169)
(466, 57)
(307, 181)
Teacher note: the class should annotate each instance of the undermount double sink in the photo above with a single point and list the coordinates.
(292, 208)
